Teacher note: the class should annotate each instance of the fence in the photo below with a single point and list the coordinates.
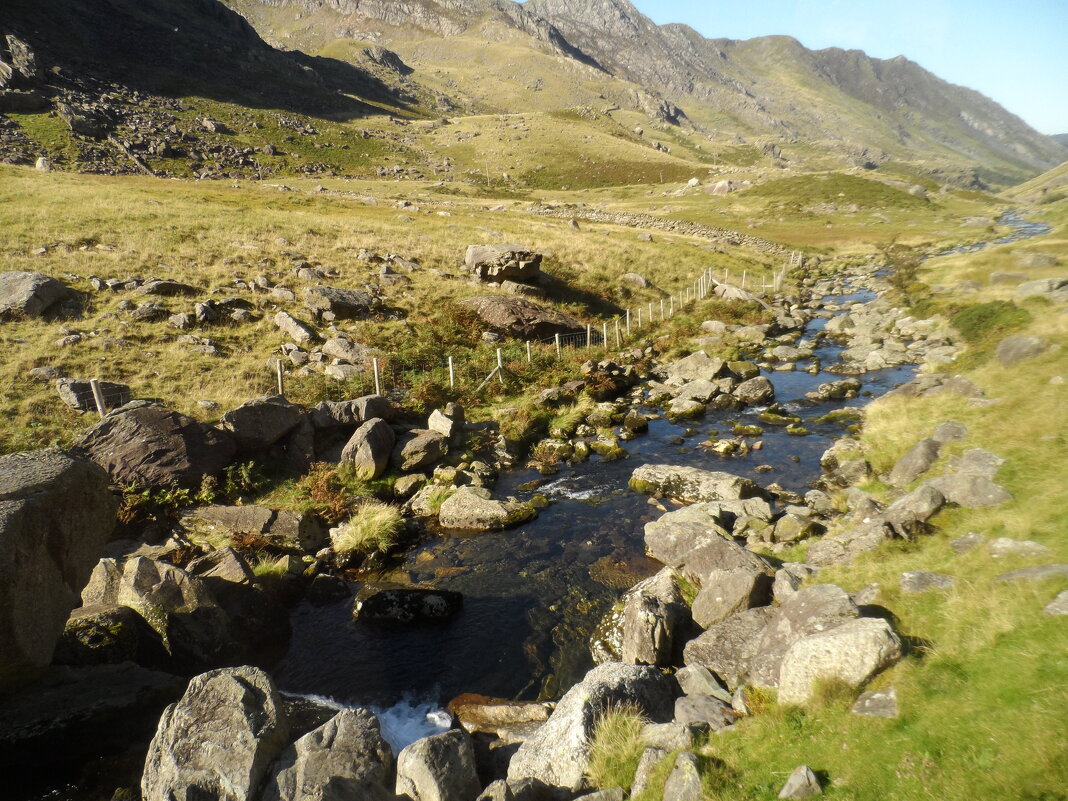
(519, 361)
(528, 361)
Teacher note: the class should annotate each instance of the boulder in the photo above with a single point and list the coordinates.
(348, 304)
(727, 648)
(694, 539)
(727, 592)
(347, 350)
(145, 444)
(650, 758)
(1056, 289)
(284, 529)
(166, 288)
(642, 627)
(877, 704)
(499, 263)
(474, 509)
(522, 318)
(1016, 349)
(915, 462)
(969, 490)
(24, 294)
(1006, 546)
(343, 414)
(56, 514)
(107, 635)
(691, 484)
(635, 281)
(908, 515)
(704, 711)
(792, 527)
(369, 449)
(78, 394)
(558, 753)
(852, 653)
(684, 781)
(1036, 573)
(259, 423)
(809, 611)
(297, 331)
(949, 431)
(421, 448)
(924, 580)
(438, 768)
(802, 783)
(405, 605)
(755, 391)
(697, 365)
(346, 757)
(218, 741)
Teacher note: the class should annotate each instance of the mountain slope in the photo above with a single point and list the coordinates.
(868, 109)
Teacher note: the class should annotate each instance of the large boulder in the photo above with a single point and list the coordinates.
(692, 484)
(218, 741)
(346, 757)
(24, 294)
(806, 612)
(852, 653)
(697, 365)
(261, 422)
(56, 514)
(695, 540)
(421, 448)
(146, 444)
(522, 318)
(915, 462)
(642, 627)
(438, 768)
(498, 263)
(343, 414)
(558, 754)
(341, 303)
(474, 509)
(727, 648)
(755, 391)
(369, 448)
(1016, 349)
(727, 592)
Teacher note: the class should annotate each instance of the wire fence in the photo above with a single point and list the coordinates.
(498, 364)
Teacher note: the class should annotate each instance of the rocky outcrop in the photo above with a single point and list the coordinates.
(405, 605)
(558, 754)
(56, 513)
(497, 263)
(421, 448)
(148, 445)
(219, 740)
(340, 304)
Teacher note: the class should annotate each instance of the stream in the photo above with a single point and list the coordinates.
(534, 594)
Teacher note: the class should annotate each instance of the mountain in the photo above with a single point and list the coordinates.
(1062, 138)
(872, 109)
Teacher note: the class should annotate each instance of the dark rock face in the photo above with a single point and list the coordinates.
(56, 513)
(146, 444)
(25, 294)
(522, 318)
(108, 634)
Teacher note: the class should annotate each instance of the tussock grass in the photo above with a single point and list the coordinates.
(373, 528)
(616, 747)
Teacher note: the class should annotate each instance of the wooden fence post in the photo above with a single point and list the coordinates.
(628, 322)
(98, 396)
(529, 359)
(589, 336)
(378, 379)
(500, 366)
(618, 341)
(557, 346)
(452, 375)
(604, 335)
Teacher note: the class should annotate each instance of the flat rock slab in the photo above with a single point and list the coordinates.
(693, 485)
(877, 704)
(922, 581)
(1038, 573)
(24, 294)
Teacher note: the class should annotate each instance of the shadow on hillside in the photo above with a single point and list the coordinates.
(181, 48)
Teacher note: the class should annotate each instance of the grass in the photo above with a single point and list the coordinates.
(373, 528)
(616, 747)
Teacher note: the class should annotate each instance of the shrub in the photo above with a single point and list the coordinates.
(373, 528)
(986, 321)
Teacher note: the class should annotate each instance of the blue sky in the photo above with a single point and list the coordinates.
(1013, 51)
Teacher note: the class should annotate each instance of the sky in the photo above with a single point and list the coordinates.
(1013, 51)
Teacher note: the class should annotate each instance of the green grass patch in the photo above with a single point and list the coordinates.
(837, 188)
(616, 747)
